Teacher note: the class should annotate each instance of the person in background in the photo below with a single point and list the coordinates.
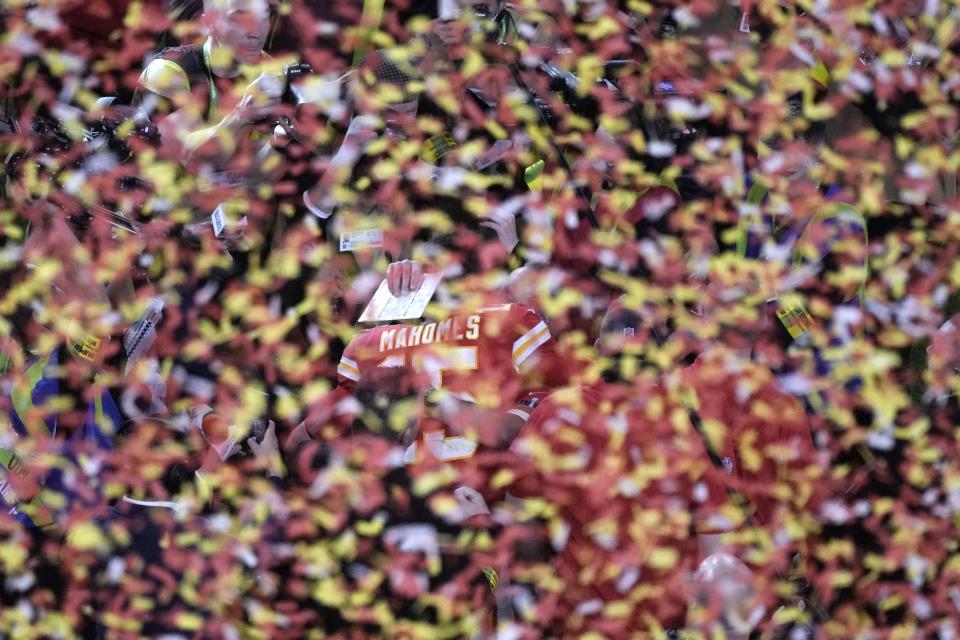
(760, 442)
(385, 97)
(77, 310)
(367, 216)
(211, 102)
(145, 534)
(632, 490)
(431, 573)
(139, 529)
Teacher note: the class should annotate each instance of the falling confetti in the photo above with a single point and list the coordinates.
(691, 366)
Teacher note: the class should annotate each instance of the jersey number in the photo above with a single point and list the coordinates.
(434, 363)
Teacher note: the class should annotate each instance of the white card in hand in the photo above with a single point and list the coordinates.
(385, 307)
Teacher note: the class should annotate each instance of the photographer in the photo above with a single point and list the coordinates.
(386, 101)
(59, 405)
(155, 515)
(151, 516)
(194, 95)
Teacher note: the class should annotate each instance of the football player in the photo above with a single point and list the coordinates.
(487, 362)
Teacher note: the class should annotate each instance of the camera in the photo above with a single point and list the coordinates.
(80, 222)
(292, 73)
(103, 131)
(284, 121)
(258, 429)
(288, 97)
(54, 144)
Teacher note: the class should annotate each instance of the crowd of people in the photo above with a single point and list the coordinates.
(680, 360)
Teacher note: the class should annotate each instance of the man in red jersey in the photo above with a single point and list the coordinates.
(760, 442)
(624, 473)
(760, 433)
(488, 366)
(638, 499)
(492, 358)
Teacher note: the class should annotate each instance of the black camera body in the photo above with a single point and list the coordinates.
(292, 73)
(258, 430)
(288, 99)
(285, 117)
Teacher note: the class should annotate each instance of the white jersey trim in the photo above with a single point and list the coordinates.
(348, 369)
(529, 342)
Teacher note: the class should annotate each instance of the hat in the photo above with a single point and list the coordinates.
(382, 66)
(621, 320)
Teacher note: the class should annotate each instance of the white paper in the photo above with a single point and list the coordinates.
(218, 218)
(363, 239)
(223, 226)
(386, 307)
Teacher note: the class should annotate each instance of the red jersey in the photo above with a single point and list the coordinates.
(628, 480)
(760, 432)
(492, 357)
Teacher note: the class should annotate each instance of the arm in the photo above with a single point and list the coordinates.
(219, 142)
(183, 134)
(77, 299)
(319, 198)
(165, 84)
(513, 421)
(333, 411)
(297, 437)
(722, 588)
(216, 143)
(535, 352)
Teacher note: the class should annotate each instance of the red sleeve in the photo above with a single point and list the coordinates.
(767, 456)
(348, 370)
(331, 416)
(535, 353)
(782, 451)
(527, 479)
(528, 402)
